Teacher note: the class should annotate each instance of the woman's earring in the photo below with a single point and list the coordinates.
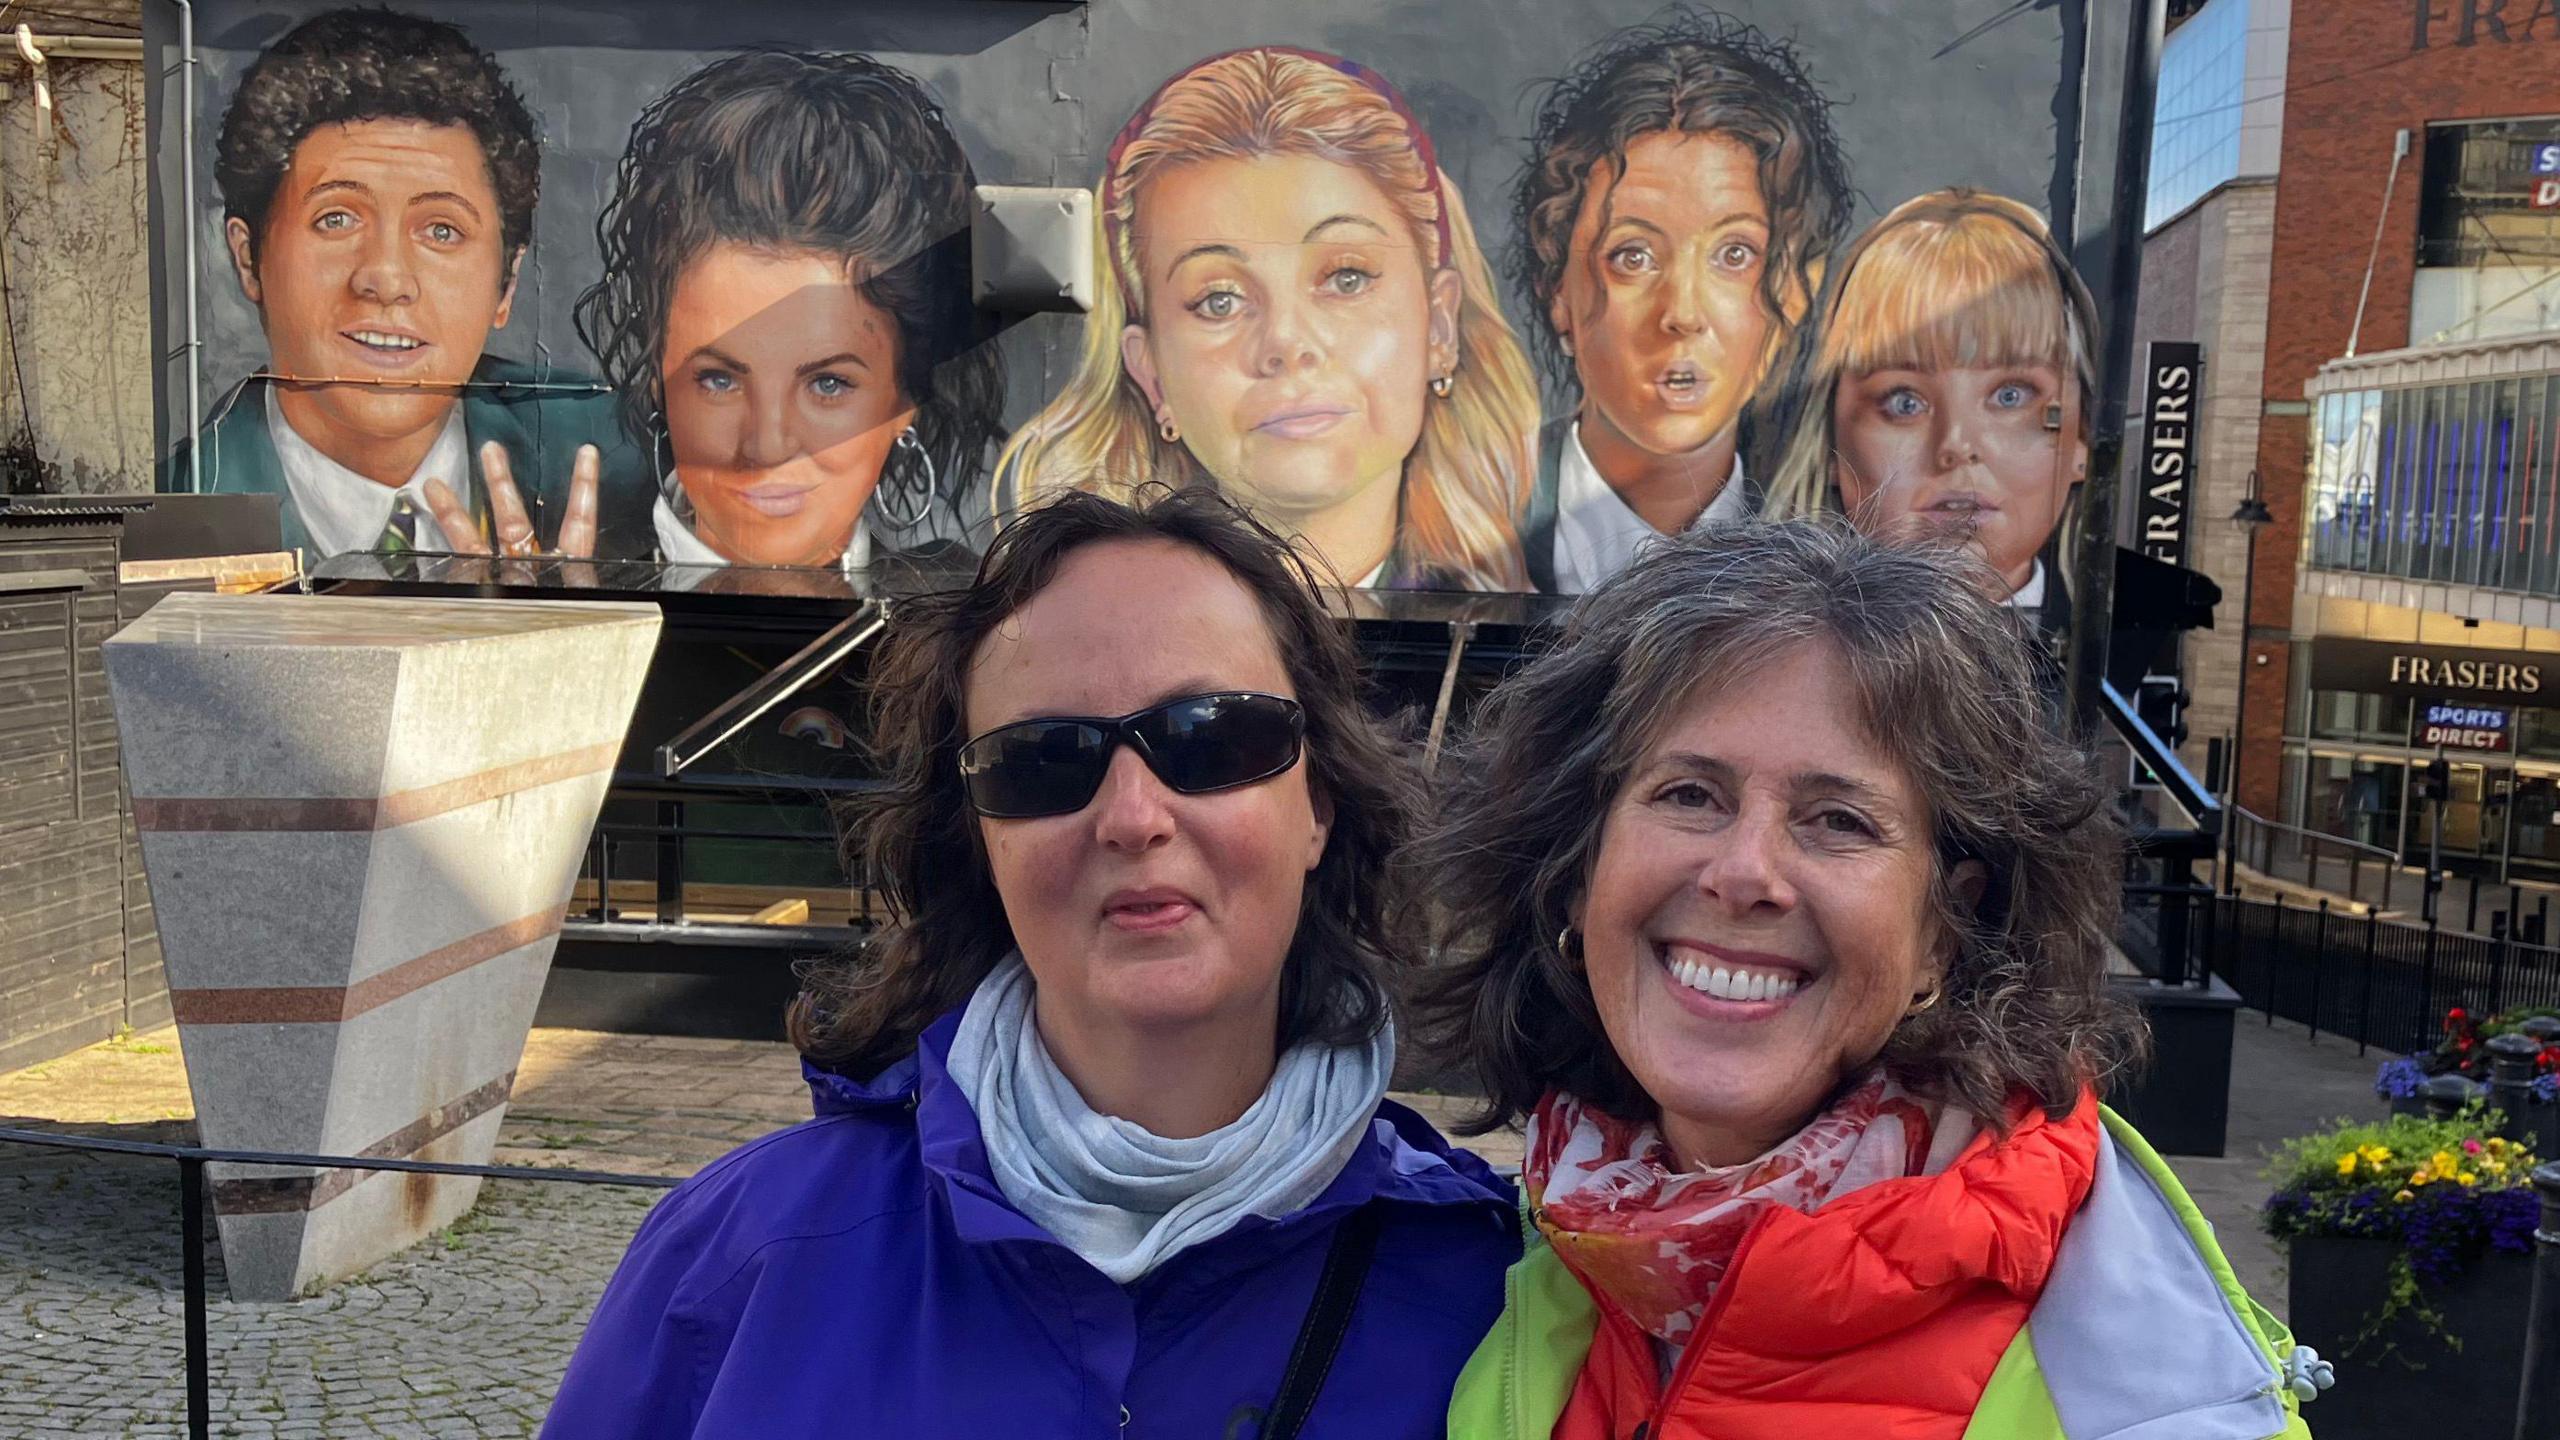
(1171, 432)
(1565, 946)
(1440, 385)
(1928, 1002)
(922, 487)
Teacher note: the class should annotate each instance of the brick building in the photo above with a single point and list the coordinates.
(2401, 410)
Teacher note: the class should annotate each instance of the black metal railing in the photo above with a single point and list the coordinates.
(2377, 982)
(191, 1160)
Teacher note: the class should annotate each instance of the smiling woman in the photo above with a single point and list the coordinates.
(785, 311)
(1770, 902)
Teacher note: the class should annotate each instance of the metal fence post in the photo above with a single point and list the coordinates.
(2275, 942)
(2511, 1063)
(2319, 965)
(191, 1266)
(2538, 1401)
(2364, 1005)
(2427, 978)
(2501, 946)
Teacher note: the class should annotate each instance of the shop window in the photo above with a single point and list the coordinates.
(2354, 799)
(2354, 715)
(2475, 207)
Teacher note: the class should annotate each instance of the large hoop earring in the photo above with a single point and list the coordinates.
(1928, 1002)
(923, 488)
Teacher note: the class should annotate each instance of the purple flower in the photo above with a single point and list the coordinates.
(2546, 1088)
(2399, 1079)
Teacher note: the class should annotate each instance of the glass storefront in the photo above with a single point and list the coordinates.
(2350, 752)
(2456, 482)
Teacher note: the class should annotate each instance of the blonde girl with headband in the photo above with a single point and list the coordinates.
(1947, 391)
(1296, 311)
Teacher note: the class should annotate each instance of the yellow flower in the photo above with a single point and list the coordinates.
(2376, 1154)
(2404, 1195)
(2423, 1176)
(2467, 1178)
(2347, 1164)
(2444, 1162)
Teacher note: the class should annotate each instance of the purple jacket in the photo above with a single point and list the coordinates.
(862, 1276)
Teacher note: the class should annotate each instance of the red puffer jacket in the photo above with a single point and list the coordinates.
(1881, 1315)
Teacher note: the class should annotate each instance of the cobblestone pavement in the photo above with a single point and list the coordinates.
(466, 1335)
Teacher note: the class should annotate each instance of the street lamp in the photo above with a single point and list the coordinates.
(2250, 516)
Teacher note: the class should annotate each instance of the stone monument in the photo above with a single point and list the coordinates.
(361, 820)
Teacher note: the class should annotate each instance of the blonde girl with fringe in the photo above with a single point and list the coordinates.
(1296, 311)
(1947, 390)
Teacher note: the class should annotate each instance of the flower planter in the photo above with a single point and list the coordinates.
(2405, 1380)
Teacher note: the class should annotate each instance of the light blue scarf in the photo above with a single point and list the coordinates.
(1128, 1200)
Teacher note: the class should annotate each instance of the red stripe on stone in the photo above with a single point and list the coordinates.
(326, 1004)
(214, 815)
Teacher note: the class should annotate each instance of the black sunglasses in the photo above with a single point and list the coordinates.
(1195, 745)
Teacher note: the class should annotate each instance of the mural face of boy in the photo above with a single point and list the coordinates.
(382, 264)
(1968, 454)
(1660, 304)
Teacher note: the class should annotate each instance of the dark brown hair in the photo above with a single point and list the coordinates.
(837, 154)
(346, 66)
(918, 839)
(1946, 690)
(1695, 74)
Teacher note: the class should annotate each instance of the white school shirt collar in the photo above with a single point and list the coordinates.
(1597, 535)
(343, 511)
(678, 545)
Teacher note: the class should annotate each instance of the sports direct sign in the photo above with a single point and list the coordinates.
(2546, 177)
(2464, 727)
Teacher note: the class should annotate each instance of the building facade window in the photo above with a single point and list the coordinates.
(2456, 482)
(2488, 248)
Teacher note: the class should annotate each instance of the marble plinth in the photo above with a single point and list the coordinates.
(361, 820)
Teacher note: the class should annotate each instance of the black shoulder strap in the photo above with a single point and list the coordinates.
(1346, 1268)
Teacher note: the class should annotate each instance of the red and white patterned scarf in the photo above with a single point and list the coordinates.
(1655, 1239)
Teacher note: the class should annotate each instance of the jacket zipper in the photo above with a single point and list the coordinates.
(1681, 1373)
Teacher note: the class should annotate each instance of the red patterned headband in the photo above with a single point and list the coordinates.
(1369, 79)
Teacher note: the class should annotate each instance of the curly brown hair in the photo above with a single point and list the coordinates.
(349, 65)
(1691, 73)
(833, 153)
(1946, 689)
(918, 838)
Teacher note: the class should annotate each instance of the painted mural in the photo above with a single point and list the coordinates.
(700, 294)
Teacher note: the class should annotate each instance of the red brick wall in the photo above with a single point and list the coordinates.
(2358, 71)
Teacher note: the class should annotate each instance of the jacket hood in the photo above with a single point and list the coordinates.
(2139, 1275)
(1404, 1159)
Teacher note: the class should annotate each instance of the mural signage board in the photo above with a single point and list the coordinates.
(2463, 727)
(2174, 376)
(559, 279)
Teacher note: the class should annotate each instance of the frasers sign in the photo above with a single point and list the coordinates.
(2464, 727)
(2434, 673)
(2169, 418)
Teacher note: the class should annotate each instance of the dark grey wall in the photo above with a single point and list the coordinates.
(1990, 93)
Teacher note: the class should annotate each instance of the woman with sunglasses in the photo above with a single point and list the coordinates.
(1101, 1146)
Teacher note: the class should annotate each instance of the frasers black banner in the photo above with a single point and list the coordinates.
(2433, 672)
(2174, 375)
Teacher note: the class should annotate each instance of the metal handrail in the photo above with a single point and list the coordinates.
(2253, 839)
